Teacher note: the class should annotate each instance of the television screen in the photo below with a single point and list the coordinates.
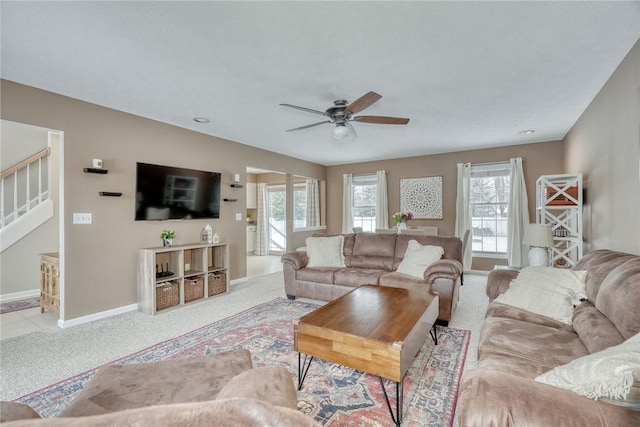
(165, 192)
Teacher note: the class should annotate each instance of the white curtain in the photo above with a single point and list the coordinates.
(262, 221)
(347, 203)
(382, 204)
(313, 203)
(517, 216)
(463, 211)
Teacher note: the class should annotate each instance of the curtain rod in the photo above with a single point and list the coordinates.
(492, 163)
(366, 174)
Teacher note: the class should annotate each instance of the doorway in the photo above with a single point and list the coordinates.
(266, 221)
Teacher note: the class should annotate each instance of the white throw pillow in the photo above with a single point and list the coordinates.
(606, 374)
(325, 251)
(550, 292)
(417, 258)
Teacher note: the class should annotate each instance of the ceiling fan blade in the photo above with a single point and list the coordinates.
(365, 101)
(309, 126)
(308, 110)
(382, 120)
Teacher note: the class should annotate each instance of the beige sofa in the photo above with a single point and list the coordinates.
(373, 258)
(516, 346)
(221, 389)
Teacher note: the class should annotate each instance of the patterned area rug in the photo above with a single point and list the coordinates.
(23, 304)
(332, 394)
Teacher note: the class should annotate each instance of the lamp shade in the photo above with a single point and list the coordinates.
(538, 235)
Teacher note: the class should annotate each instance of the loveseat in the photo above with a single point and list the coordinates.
(373, 258)
(517, 346)
(219, 389)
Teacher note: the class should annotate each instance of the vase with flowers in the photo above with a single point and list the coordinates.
(401, 218)
(167, 237)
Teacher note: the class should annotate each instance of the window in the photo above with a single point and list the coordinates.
(364, 201)
(489, 199)
(299, 205)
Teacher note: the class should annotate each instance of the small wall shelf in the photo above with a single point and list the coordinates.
(230, 200)
(95, 170)
(236, 185)
(109, 194)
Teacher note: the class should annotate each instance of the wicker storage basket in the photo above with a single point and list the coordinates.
(167, 294)
(217, 283)
(193, 288)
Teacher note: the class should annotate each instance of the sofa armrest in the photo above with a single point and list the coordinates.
(491, 398)
(443, 269)
(269, 384)
(297, 260)
(498, 282)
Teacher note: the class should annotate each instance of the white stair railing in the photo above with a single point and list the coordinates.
(16, 193)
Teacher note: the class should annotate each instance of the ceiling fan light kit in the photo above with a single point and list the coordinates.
(341, 114)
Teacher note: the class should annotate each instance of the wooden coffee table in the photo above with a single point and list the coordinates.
(374, 329)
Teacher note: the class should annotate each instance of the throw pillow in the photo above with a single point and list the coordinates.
(417, 258)
(606, 374)
(325, 251)
(547, 291)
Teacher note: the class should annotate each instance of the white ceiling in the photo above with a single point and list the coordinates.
(468, 74)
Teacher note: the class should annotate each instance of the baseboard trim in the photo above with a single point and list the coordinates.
(15, 296)
(238, 281)
(96, 316)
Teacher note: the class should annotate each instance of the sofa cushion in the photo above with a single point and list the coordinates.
(542, 344)
(495, 309)
(619, 296)
(194, 379)
(240, 412)
(399, 280)
(594, 328)
(357, 276)
(418, 257)
(452, 246)
(318, 274)
(269, 384)
(10, 411)
(373, 251)
(599, 264)
(325, 251)
(607, 373)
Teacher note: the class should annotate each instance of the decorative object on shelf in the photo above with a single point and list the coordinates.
(248, 217)
(422, 196)
(401, 218)
(236, 181)
(167, 237)
(206, 235)
(539, 237)
(109, 194)
(97, 163)
(216, 238)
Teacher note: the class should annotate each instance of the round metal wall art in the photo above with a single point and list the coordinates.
(422, 197)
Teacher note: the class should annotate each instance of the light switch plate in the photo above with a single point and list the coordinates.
(238, 216)
(82, 218)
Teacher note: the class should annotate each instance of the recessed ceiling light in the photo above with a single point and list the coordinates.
(527, 132)
(201, 120)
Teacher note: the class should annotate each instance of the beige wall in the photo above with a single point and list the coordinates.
(539, 159)
(20, 263)
(604, 145)
(101, 258)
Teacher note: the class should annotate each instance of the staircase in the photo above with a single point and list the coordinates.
(25, 201)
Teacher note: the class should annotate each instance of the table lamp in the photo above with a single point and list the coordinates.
(539, 237)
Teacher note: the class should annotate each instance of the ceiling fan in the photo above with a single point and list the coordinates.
(341, 113)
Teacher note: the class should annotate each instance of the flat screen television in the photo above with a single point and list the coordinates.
(165, 192)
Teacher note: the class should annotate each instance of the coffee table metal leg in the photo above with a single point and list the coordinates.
(434, 334)
(397, 418)
(303, 368)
